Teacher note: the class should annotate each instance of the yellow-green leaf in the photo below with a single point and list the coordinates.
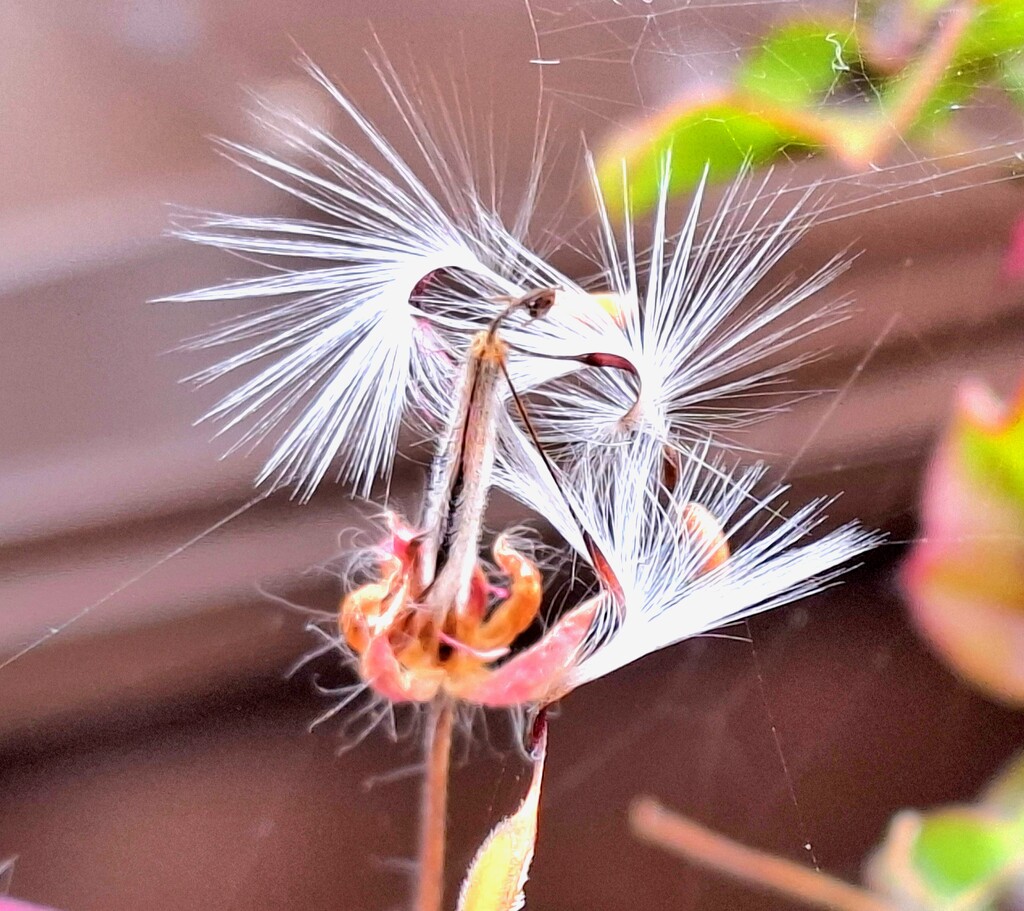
(498, 872)
(961, 850)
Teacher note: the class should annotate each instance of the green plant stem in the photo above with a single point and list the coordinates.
(434, 807)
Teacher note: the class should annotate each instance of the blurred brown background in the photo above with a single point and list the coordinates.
(152, 754)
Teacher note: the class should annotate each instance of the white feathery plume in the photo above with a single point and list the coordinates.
(702, 338)
(342, 348)
(666, 595)
(633, 523)
(343, 353)
(378, 329)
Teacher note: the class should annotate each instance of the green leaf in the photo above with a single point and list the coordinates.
(799, 63)
(957, 850)
(947, 97)
(996, 30)
(719, 136)
(1011, 75)
(498, 872)
(929, 7)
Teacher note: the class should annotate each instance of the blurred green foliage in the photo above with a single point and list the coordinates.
(969, 857)
(964, 577)
(844, 88)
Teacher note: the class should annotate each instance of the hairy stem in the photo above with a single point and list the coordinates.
(456, 503)
(434, 808)
(692, 841)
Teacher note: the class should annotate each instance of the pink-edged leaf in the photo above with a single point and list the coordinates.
(964, 579)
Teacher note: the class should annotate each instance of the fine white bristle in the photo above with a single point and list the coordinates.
(359, 337)
(394, 280)
(342, 351)
(706, 342)
(667, 595)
